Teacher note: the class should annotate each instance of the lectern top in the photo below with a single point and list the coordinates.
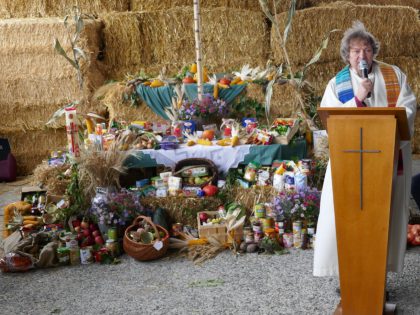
(398, 112)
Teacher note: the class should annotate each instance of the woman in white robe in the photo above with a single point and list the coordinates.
(358, 44)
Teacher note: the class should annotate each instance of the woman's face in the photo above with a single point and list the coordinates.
(360, 50)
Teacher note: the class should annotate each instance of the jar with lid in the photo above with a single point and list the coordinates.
(113, 248)
(63, 255)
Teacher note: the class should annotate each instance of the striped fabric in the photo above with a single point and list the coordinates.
(345, 89)
(391, 84)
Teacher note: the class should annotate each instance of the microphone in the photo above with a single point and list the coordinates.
(363, 67)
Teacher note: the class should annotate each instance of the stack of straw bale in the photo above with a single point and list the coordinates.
(253, 5)
(410, 3)
(165, 39)
(397, 28)
(36, 81)
(50, 8)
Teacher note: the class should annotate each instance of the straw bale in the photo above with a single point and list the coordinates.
(51, 177)
(35, 80)
(153, 40)
(409, 3)
(30, 148)
(110, 96)
(182, 209)
(253, 5)
(49, 8)
(399, 36)
(256, 92)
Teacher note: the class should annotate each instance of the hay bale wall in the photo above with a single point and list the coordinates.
(410, 3)
(253, 5)
(399, 36)
(35, 80)
(30, 148)
(51, 8)
(153, 40)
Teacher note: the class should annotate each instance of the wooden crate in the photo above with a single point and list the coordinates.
(218, 231)
(290, 133)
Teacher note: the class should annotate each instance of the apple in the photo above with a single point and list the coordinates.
(80, 236)
(208, 134)
(99, 240)
(84, 224)
(77, 229)
(96, 233)
(75, 223)
(225, 80)
(93, 227)
(210, 190)
(203, 217)
(86, 232)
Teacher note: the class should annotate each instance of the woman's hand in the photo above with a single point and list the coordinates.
(365, 88)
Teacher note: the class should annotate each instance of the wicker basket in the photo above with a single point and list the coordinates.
(195, 162)
(144, 252)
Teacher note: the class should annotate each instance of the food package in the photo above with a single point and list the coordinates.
(14, 262)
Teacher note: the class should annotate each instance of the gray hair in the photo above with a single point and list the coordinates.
(357, 31)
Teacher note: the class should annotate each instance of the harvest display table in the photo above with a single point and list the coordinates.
(224, 157)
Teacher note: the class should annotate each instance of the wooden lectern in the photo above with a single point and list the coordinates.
(364, 144)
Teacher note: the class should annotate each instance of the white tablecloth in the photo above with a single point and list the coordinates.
(224, 157)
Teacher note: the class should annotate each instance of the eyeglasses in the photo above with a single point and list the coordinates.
(357, 51)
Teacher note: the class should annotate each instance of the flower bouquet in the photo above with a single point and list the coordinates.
(293, 206)
(208, 110)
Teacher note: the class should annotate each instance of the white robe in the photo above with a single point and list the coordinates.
(325, 252)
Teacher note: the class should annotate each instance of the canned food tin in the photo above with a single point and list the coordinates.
(268, 223)
(258, 236)
(259, 210)
(63, 255)
(112, 233)
(297, 227)
(74, 256)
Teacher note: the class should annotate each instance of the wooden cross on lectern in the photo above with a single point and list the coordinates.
(361, 151)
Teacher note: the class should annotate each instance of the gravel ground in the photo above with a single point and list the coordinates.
(227, 284)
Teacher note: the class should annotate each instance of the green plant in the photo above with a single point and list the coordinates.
(247, 107)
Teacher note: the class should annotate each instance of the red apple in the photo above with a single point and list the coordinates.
(203, 217)
(93, 227)
(210, 190)
(96, 233)
(99, 240)
(80, 236)
(77, 229)
(84, 224)
(86, 232)
(75, 223)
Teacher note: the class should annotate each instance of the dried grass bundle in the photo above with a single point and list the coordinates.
(111, 96)
(33, 89)
(30, 148)
(153, 40)
(409, 3)
(102, 168)
(46, 8)
(200, 253)
(51, 177)
(182, 209)
(398, 37)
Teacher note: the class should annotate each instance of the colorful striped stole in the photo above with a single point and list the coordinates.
(345, 88)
